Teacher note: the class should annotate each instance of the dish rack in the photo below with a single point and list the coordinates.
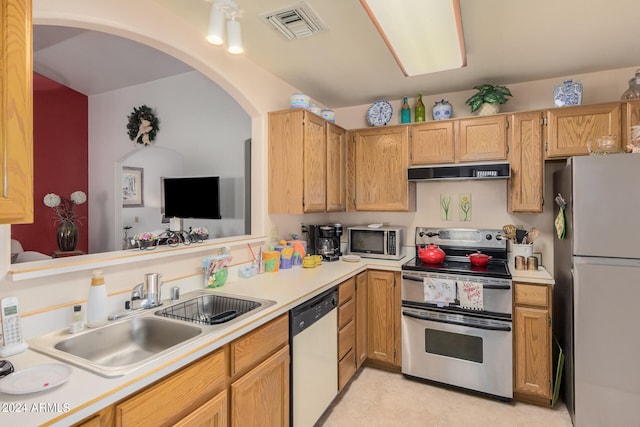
(209, 310)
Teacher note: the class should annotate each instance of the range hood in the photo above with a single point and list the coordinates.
(495, 170)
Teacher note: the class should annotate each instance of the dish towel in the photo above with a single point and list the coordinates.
(439, 291)
(470, 295)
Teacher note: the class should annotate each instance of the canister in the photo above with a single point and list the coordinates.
(532, 263)
(271, 260)
(520, 262)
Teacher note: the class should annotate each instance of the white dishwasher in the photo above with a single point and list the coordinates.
(314, 357)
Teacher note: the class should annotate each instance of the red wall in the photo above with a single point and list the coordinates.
(60, 160)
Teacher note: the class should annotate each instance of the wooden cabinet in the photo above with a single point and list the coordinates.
(361, 319)
(177, 396)
(527, 163)
(259, 370)
(532, 343)
(377, 170)
(433, 143)
(212, 414)
(261, 397)
(383, 318)
(303, 175)
(472, 139)
(346, 331)
(103, 418)
(570, 129)
(16, 113)
(482, 139)
(336, 168)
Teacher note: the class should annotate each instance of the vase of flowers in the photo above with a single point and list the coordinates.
(67, 233)
(146, 240)
(198, 234)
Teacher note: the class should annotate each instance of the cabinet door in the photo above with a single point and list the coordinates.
(211, 414)
(336, 168)
(381, 158)
(361, 319)
(102, 418)
(482, 138)
(315, 163)
(432, 143)
(383, 317)
(261, 397)
(286, 162)
(16, 113)
(527, 163)
(532, 352)
(571, 128)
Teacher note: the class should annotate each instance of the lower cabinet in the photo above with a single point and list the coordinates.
(346, 331)
(261, 397)
(383, 318)
(533, 381)
(212, 414)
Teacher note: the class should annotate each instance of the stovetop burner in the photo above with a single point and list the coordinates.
(459, 242)
(494, 269)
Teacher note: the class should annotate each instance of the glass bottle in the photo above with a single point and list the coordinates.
(634, 88)
(77, 320)
(405, 113)
(419, 109)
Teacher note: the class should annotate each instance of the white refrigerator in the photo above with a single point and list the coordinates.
(597, 290)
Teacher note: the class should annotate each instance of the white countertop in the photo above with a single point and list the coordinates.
(86, 393)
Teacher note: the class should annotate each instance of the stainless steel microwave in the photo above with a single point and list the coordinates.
(382, 242)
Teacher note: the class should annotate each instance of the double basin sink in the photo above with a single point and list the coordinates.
(125, 345)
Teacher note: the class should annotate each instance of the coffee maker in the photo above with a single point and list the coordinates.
(325, 240)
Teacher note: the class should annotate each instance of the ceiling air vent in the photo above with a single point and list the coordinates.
(296, 21)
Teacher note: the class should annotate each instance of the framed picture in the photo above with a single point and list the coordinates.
(132, 187)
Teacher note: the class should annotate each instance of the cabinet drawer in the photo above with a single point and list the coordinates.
(346, 313)
(532, 294)
(170, 400)
(346, 290)
(255, 346)
(346, 369)
(346, 339)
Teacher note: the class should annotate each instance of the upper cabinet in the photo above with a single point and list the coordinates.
(474, 139)
(306, 163)
(570, 129)
(377, 172)
(16, 113)
(527, 164)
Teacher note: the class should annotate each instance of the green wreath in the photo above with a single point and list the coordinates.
(143, 125)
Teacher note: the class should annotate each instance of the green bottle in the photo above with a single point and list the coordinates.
(419, 109)
(405, 114)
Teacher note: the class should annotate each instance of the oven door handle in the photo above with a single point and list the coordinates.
(421, 279)
(470, 325)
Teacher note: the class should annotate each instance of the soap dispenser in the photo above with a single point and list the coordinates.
(97, 304)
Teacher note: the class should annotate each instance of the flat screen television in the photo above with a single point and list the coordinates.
(191, 197)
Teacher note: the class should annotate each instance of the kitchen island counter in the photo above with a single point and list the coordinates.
(85, 393)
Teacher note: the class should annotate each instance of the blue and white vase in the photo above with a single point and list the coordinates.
(567, 93)
(442, 110)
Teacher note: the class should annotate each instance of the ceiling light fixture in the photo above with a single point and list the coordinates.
(424, 36)
(222, 10)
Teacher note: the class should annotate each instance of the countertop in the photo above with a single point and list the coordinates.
(86, 393)
(540, 276)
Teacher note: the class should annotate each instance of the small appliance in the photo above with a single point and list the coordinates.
(325, 240)
(376, 241)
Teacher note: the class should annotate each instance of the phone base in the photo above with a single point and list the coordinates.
(13, 349)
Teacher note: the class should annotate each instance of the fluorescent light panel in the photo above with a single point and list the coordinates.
(424, 36)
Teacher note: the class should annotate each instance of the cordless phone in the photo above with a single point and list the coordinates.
(11, 329)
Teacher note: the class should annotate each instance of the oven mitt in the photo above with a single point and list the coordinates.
(560, 224)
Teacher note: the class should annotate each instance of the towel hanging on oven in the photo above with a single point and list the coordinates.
(470, 295)
(439, 291)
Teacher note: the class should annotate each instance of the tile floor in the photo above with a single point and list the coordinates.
(379, 398)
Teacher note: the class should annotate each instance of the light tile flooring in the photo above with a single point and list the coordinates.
(379, 398)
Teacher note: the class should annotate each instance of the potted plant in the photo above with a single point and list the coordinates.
(489, 95)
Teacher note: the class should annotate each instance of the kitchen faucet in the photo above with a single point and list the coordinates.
(144, 296)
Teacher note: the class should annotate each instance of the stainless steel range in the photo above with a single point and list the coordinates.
(457, 317)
